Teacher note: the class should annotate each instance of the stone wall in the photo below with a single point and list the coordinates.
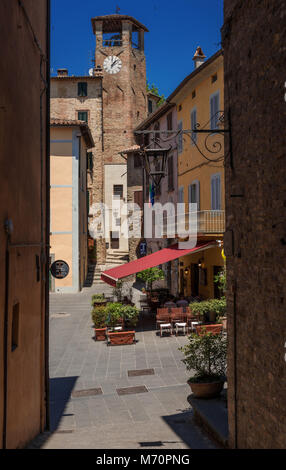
(65, 104)
(254, 38)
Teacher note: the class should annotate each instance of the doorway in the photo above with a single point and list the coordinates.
(114, 240)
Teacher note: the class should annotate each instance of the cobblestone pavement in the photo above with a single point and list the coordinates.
(157, 419)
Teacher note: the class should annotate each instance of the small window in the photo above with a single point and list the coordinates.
(82, 89)
(180, 107)
(193, 94)
(118, 190)
(214, 78)
(150, 106)
(169, 121)
(82, 116)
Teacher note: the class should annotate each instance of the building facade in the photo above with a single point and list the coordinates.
(24, 207)
(160, 132)
(115, 101)
(199, 101)
(70, 142)
(255, 239)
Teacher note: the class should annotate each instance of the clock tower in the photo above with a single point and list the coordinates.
(120, 53)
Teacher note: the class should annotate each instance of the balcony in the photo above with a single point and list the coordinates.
(208, 222)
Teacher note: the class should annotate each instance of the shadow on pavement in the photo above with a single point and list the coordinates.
(184, 426)
(60, 392)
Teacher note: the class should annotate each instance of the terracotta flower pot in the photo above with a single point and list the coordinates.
(100, 334)
(122, 337)
(206, 390)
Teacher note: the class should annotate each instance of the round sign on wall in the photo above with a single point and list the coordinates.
(60, 269)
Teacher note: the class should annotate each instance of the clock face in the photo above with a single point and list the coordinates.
(112, 64)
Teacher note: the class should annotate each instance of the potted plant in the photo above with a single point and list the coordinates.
(118, 314)
(99, 316)
(206, 354)
(151, 275)
(98, 299)
(117, 291)
(209, 309)
(114, 315)
(130, 314)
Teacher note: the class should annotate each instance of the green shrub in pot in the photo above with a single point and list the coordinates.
(206, 355)
(114, 314)
(130, 315)
(207, 307)
(99, 316)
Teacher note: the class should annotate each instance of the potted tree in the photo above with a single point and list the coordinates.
(99, 316)
(149, 276)
(206, 354)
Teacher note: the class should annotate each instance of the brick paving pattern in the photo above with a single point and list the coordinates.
(159, 419)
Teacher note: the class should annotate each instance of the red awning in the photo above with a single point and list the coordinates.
(159, 257)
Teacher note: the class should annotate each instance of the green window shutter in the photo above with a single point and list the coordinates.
(82, 89)
(82, 116)
(89, 161)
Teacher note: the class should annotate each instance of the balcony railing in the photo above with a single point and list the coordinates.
(208, 222)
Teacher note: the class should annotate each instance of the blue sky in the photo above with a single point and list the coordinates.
(176, 28)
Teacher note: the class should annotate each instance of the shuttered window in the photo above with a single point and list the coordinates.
(193, 125)
(118, 190)
(181, 195)
(82, 116)
(170, 121)
(214, 110)
(194, 194)
(82, 89)
(89, 161)
(180, 137)
(216, 192)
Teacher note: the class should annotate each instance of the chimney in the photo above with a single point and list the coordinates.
(199, 57)
(62, 72)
